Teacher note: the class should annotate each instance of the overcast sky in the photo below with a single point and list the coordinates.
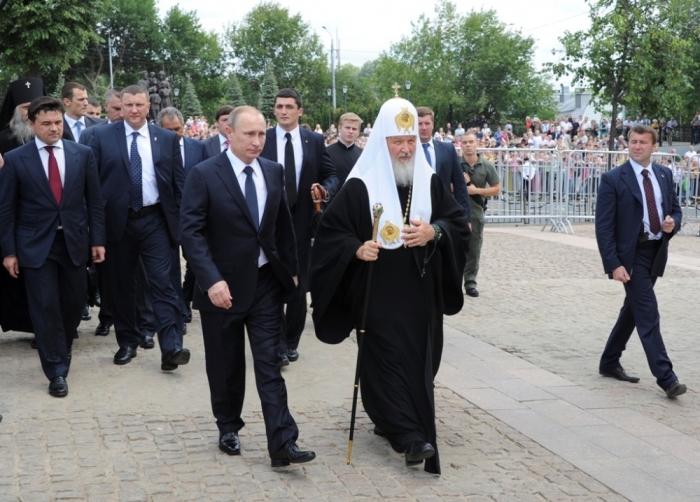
(368, 27)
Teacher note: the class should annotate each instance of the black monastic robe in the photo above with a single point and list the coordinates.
(396, 376)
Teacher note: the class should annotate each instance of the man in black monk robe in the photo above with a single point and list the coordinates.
(418, 259)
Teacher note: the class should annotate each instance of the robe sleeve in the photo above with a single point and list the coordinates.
(336, 274)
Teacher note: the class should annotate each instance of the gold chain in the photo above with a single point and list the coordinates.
(408, 206)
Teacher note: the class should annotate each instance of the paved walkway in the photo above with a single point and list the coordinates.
(522, 414)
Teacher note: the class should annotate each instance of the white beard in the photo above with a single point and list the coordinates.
(21, 129)
(403, 173)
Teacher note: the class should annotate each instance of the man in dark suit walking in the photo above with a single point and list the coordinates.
(238, 236)
(76, 119)
(219, 143)
(307, 167)
(142, 179)
(193, 152)
(47, 188)
(637, 213)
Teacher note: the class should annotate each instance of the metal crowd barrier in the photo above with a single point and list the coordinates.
(556, 188)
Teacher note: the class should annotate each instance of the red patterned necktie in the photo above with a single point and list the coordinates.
(54, 175)
(654, 223)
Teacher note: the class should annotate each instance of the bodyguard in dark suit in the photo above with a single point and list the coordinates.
(51, 219)
(76, 120)
(238, 236)
(219, 143)
(637, 213)
(193, 152)
(142, 178)
(307, 166)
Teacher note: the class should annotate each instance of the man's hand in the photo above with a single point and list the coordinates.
(369, 251)
(467, 179)
(98, 254)
(620, 274)
(418, 235)
(220, 296)
(473, 189)
(669, 225)
(11, 264)
(322, 190)
(2, 162)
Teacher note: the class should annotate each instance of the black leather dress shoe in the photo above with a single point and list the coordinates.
(291, 454)
(619, 374)
(378, 432)
(292, 355)
(102, 329)
(472, 292)
(230, 444)
(171, 361)
(188, 317)
(58, 387)
(675, 389)
(419, 451)
(124, 355)
(98, 300)
(284, 360)
(86, 315)
(184, 328)
(147, 341)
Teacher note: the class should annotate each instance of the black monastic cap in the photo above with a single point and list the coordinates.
(19, 92)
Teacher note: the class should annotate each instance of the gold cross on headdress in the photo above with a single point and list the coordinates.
(396, 88)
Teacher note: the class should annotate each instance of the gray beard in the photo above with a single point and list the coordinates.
(21, 130)
(403, 173)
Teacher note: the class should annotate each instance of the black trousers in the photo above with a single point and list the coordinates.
(640, 310)
(294, 319)
(224, 346)
(146, 320)
(56, 297)
(146, 238)
(188, 284)
(176, 278)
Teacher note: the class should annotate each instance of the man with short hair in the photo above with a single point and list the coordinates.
(113, 105)
(344, 153)
(94, 109)
(482, 181)
(142, 179)
(219, 143)
(308, 169)
(51, 218)
(416, 264)
(76, 119)
(238, 234)
(637, 213)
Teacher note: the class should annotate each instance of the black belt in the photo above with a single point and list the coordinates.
(649, 244)
(144, 211)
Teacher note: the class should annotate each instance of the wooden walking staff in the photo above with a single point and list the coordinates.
(378, 209)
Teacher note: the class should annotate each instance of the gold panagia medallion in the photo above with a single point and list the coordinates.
(390, 233)
(405, 120)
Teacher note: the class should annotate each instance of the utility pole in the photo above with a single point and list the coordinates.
(332, 65)
(111, 74)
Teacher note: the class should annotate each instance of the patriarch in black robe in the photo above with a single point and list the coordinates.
(416, 274)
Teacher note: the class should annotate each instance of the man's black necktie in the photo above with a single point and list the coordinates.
(251, 196)
(290, 172)
(654, 222)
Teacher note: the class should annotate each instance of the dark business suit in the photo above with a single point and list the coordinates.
(450, 172)
(212, 146)
(52, 260)
(89, 122)
(146, 319)
(150, 237)
(195, 152)
(316, 168)
(222, 243)
(619, 225)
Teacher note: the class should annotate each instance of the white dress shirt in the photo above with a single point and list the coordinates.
(260, 189)
(148, 169)
(638, 168)
(72, 124)
(296, 144)
(182, 150)
(58, 152)
(222, 142)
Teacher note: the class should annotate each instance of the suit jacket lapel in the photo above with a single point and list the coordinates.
(33, 164)
(437, 159)
(120, 132)
(228, 178)
(304, 153)
(189, 154)
(272, 188)
(155, 146)
(271, 145)
(631, 180)
(72, 158)
(67, 132)
(663, 184)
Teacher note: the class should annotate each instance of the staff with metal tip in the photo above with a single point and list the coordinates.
(377, 211)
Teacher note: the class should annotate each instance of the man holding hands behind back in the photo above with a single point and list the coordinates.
(238, 235)
(637, 213)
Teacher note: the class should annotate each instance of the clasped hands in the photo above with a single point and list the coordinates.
(419, 234)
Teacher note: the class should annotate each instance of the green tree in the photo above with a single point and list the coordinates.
(270, 35)
(634, 54)
(190, 105)
(234, 93)
(41, 37)
(268, 91)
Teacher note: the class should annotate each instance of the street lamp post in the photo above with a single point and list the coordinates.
(176, 92)
(330, 104)
(332, 64)
(408, 89)
(345, 99)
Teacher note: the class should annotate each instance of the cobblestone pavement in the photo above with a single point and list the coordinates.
(134, 433)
